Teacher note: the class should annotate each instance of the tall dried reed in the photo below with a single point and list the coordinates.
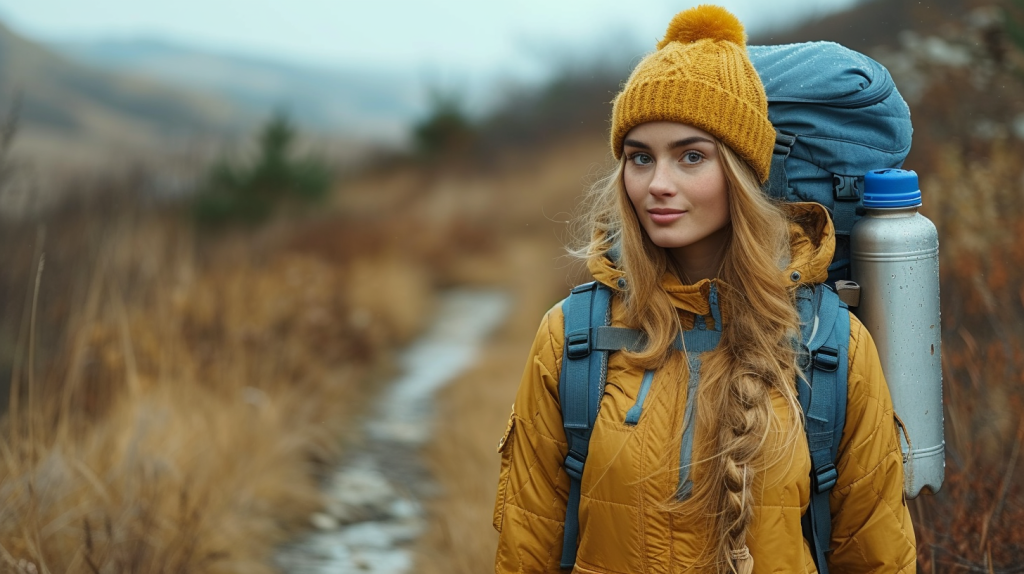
(976, 522)
(174, 400)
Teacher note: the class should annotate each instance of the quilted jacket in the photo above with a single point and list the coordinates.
(632, 471)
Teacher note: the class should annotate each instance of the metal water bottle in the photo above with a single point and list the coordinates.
(895, 259)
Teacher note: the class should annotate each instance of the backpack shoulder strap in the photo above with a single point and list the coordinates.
(822, 394)
(580, 385)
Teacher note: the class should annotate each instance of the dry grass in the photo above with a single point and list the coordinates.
(183, 396)
(176, 397)
(976, 523)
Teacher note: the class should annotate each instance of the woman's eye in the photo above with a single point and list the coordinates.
(693, 157)
(641, 159)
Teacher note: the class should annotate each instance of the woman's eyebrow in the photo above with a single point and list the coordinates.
(689, 141)
(676, 144)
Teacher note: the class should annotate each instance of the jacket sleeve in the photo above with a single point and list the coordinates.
(871, 528)
(529, 512)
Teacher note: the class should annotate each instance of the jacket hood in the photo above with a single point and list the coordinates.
(812, 244)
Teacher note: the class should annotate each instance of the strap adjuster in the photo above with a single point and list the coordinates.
(783, 143)
(574, 465)
(845, 188)
(577, 344)
(825, 478)
(826, 359)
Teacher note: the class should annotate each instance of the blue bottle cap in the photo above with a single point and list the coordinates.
(892, 188)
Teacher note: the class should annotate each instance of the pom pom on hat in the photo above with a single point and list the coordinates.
(705, 22)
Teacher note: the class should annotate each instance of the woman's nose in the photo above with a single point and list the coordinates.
(662, 183)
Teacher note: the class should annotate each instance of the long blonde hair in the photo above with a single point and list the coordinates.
(755, 356)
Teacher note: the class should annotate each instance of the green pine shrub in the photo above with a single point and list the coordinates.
(250, 191)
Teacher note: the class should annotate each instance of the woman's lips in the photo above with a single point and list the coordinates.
(664, 216)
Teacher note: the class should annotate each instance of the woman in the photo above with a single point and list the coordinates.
(680, 225)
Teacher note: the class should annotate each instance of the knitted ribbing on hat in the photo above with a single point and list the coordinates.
(700, 75)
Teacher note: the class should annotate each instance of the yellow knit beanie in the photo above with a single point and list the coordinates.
(700, 75)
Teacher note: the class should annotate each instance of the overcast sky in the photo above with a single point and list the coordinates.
(462, 36)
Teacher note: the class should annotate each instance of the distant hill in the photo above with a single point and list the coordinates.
(359, 104)
(82, 115)
(109, 107)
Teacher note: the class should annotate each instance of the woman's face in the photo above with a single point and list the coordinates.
(675, 180)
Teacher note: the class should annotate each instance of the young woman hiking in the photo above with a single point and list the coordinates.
(683, 235)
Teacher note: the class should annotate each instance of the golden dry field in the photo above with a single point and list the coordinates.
(177, 394)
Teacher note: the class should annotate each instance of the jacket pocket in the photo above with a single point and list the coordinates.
(505, 450)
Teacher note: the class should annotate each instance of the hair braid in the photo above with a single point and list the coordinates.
(741, 435)
(754, 358)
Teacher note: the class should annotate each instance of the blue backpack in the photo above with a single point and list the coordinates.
(837, 115)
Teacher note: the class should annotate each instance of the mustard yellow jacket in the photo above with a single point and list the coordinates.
(625, 527)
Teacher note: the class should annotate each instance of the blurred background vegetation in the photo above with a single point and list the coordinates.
(198, 300)
(250, 191)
